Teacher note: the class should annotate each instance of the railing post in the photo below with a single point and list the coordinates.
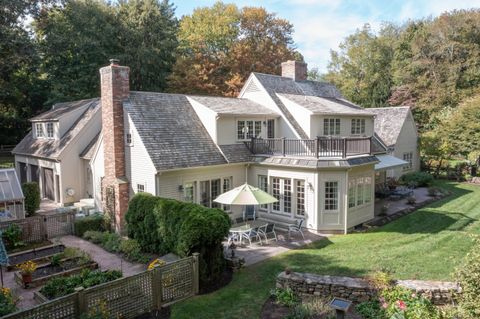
(317, 147)
(196, 273)
(252, 145)
(81, 304)
(344, 155)
(283, 146)
(157, 287)
(45, 227)
(370, 145)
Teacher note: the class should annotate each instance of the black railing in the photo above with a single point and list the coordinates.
(320, 147)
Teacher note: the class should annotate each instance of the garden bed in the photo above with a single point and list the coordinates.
(48, 271)
(28, 246)
(37, 255)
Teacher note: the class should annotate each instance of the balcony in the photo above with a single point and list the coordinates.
(321, 147)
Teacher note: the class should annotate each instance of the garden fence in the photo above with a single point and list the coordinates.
(126, 297)
(40, 228)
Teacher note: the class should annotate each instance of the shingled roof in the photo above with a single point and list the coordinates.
(233, 106)
(53, 148)
(326, 105)
(389, 122)
(60, 109)
(171, 131)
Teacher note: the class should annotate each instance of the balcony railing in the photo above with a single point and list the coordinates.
(317, 148)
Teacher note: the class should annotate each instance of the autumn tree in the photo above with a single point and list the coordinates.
(221, 45)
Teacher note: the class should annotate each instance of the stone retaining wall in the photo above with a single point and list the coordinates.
(358, 290)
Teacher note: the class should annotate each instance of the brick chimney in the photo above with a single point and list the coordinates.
(295, 70)
(115, 88)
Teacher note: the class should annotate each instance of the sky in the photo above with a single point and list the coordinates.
(320, 25)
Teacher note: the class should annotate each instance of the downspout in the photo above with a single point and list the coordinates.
(345, 204)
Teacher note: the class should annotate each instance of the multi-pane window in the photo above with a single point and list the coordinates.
(408, 157)
(211, 189)
(300, 197)
(140, 188)
(248, 129)
(287, 195)
(50, 130)
(331, 127)
(270, 128)
(215, 184)
(276, 193)
(263, 185)
(128, 139)
(189, 192)
(39, 130)
(331, 195)
(368, 189)
(227, 185)
(358, 126)
(360, 189)
(351, 194)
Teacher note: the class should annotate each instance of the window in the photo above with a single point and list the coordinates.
(368, 190)
(331, 195)
(189, 192)
(216, 184)
(287, 195)
(227, 185)
(358, 126)
(263, 185)
(270, 128)
(408, 157)
(360, 188)
(276, 193)
(140, 188)
(205, 193)
(211, 189)
(50, 130)
(248, 129)
(351, 194)
(300, 197)
(128, 139)
(39, 130)
(331, 127)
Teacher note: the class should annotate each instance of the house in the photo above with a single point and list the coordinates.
(297, 139)
(396, 127)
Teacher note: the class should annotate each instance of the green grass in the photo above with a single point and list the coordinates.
(427, 244)
(6, 161)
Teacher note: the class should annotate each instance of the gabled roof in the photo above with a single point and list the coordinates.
(88, 152)
(326, 105)
(233, 106)
(60, 109)
(52, 148)
(389, 122)
(171, 131)
(236, 153)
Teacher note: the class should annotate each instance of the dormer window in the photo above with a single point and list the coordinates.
(246, 129)
(358, 126)
(331, 126)
(49, 130)
(39, 130)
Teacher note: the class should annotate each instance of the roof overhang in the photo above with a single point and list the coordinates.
(388, 162)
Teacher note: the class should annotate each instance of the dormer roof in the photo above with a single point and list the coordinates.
(233, 106)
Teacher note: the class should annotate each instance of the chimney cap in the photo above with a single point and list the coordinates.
(114, 61)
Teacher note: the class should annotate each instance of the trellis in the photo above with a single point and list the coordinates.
(40, 228)
(126, 297)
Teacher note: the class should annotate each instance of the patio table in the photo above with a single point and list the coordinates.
(243, 228)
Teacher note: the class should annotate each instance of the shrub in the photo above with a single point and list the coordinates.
(13, 236)
(56, 260)
(61, 286)
(111, 242)
(115, 244)
(311, 308)
(93, 236)
(31, 191)
(169, 226)
(7, 302)
(94, 222)
(411, 200)
(132, 251)
(417, 179)
(468, 276)
(285, 297)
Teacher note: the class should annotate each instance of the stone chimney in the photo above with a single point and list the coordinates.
(115, 88)
(295, 70)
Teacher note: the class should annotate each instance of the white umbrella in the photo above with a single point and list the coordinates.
(245, 195)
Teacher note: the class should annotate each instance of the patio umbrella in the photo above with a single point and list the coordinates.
(3, 256)
(245, 195)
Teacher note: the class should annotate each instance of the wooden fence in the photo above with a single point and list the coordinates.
(126, 297)
(40, 228)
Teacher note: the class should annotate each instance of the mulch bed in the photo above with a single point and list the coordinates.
(38, 253)
(164, 313)
(28, 246)
(47, 270)
(225, 279)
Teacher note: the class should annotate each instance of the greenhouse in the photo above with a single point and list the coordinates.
(11, 196)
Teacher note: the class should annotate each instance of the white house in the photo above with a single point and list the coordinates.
(299, 140)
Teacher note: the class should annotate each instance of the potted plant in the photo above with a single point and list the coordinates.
(27, 269)
(392, 183)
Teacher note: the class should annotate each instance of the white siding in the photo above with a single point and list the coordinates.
(139, 166)
(97, 166)
(331, 220)
(407, 142)
(208, 118)
(345, 124)
(301, 115)
(362, 213)
(67, 120)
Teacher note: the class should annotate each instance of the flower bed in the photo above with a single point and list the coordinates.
(37, 255)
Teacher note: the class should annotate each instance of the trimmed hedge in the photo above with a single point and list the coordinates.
(94, 222)
(31, 191)
(168, 226)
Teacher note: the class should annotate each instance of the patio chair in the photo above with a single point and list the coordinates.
(251, 234)
(249, 213)
(296, 228)
(268, 230)
(239, 220)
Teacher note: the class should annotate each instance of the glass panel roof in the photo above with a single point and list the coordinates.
(10, 188)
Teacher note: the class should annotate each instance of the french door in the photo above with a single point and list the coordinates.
(282, 190)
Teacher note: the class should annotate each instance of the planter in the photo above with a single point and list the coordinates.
(37, 255)
(46, 272)
(39, 297)
(26, 279)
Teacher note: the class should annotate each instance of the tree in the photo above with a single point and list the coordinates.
(221, 45)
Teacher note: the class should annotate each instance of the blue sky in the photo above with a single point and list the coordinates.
(320, 25)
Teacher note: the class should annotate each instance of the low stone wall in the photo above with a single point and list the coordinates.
(359, 290)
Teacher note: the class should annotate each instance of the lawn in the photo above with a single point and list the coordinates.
(427, 244)
(6, 161)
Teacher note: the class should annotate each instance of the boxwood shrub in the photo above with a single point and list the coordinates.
(164, 226)
(93, 222)
(31, 191)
